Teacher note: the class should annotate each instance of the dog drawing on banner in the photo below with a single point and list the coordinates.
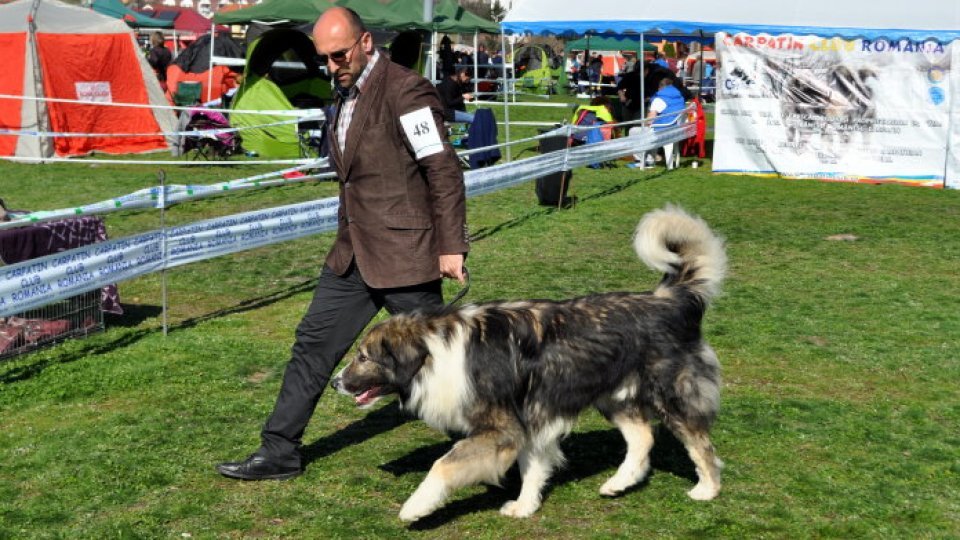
(514, 376)
(832, 101)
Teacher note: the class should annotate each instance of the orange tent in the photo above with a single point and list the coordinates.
(72, 53)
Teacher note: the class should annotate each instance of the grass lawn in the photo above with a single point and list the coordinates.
(840, 414)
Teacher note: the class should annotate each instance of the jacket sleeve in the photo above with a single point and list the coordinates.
(441, 171)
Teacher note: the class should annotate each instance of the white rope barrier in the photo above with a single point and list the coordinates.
(38, 282)
(282, 112)
(146, 198)
(86, 161)
(210, 132)
(158, 196)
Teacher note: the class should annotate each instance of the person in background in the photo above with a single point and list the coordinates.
(628, 91)
(667, 105)
(595, 68)
(659, 60)
(447, 57)
(454, 94)
(401, 226)
(405, 49)
(159, 56)
(666, 108)
(573, 67)
(483, 60)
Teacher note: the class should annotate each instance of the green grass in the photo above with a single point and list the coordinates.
(840, 414)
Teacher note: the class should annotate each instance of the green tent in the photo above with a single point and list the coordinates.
(448, 17)
(538, 69)
(605, 43)
(113, 8)
(266, 87)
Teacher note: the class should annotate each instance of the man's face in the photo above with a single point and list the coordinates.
(345, 51)
(464, 78)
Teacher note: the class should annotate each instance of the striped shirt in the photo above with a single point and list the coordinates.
(350, 101)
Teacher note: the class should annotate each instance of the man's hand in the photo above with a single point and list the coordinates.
(451, 266)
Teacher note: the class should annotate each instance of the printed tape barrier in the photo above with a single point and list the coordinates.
(42, 281)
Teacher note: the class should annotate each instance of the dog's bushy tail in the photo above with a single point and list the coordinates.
(684, 248)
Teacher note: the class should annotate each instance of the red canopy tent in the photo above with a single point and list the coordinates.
(185, 19)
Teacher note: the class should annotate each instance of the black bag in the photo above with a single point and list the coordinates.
(552, 189)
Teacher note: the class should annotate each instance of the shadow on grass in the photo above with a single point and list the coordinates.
(135, 315)
(376, 422)
(588, 454)
(486, 232)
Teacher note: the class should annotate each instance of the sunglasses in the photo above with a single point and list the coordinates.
(341, 55)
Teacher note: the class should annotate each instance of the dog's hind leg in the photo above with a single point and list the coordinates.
(638, 433)
(704, 457)
(484, 457)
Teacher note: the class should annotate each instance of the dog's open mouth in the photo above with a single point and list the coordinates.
(368, 396)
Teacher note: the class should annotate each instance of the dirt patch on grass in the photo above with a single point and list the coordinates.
(258, 377)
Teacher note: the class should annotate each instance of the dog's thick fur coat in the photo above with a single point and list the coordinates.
(514, 376)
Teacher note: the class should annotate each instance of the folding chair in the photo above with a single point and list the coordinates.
(312, 135)
(187, 94)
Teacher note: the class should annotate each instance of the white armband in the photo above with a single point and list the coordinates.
(422, 132)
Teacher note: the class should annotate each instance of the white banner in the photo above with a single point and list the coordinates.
(953, 154)
(809, 107)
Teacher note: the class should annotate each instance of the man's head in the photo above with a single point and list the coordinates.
(344, 41)
(462, 75)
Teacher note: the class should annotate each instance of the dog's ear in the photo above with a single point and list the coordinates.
(407, 353)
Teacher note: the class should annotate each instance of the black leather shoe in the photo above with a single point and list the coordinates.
(257, 467)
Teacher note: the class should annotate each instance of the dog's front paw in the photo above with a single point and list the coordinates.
(518, 509)
(418, 507)
(703, 492)
(428, 497)
(613, 487)
(411, 512)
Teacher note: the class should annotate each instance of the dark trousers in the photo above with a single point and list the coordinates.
(341, 308)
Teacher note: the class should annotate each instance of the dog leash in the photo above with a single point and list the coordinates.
(463, 291)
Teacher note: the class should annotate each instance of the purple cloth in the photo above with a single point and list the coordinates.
(24, 243)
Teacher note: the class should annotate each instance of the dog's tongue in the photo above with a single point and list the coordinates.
(367, 396)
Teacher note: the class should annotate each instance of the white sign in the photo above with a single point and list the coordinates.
(422, 132)
(854, 110)
(94, 92)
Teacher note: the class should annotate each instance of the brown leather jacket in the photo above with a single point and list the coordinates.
(397, 214)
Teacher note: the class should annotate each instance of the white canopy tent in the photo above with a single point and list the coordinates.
(887, 22)
(870, 19)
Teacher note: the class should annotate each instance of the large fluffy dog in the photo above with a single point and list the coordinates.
(513, 376)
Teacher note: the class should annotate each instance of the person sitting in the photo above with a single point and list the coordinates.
(666, 110)
(453, 96)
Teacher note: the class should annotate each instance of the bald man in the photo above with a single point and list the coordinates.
(401, 229)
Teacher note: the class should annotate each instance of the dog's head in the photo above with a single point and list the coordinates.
(387, 359)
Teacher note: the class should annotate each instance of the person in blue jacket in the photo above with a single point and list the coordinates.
(666, 108)
(666, 105)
